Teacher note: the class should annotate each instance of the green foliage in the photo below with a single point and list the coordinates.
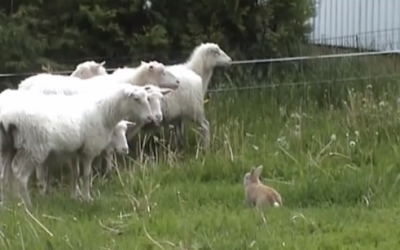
(66, 32)
(20, 42)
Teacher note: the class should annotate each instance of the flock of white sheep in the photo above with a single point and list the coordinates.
(54, 119)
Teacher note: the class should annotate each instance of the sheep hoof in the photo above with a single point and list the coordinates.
(75, 196)
(44, 191)
(88, 199)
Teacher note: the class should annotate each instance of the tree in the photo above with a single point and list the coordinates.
(66, 32)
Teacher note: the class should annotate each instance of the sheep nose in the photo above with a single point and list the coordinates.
(149, 118)
(158, 118)
(178, 82)
(125, 151)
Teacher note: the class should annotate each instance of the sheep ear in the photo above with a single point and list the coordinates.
(258, 171)
(102, 63)
(165, 91)
(95, 67)
(134, 95)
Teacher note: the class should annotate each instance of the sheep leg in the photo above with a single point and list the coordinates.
(47, 186)
(74, 168)
(179, 130)
(6, 177)
(199, 118)
(109, 160)
(87, 174)
(22, 167)
(108, 156)
(205, 133)
(42, 175)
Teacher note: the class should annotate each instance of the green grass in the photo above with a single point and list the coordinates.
(338, 194)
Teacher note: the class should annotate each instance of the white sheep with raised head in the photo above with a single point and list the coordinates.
(187, 102)
(203, 60)
(89, 69)
(41, 127)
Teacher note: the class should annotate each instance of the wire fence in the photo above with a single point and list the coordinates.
(252, 61)
(305, 83)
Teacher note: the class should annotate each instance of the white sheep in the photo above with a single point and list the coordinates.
(147, 73)
(187, 102)
(156, 95)
(153, 73)
(118, 144)
(89, 69)
(43, 127)
(45, 79)
(71, 86)
(83, 71)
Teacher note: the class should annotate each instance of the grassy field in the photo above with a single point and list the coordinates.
(329, 147)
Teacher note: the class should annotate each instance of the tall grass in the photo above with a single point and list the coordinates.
(326, 133)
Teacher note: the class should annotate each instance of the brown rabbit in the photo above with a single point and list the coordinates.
(257, 194)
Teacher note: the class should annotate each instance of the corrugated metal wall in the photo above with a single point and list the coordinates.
(368, 24)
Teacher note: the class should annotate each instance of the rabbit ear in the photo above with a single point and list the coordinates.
(258, 171)
(246, 179)
(253, 175)
(252, 171)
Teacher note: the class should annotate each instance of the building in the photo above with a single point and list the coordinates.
(366, 24)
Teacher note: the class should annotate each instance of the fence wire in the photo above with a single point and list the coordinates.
(252, 61)
(305, 83)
